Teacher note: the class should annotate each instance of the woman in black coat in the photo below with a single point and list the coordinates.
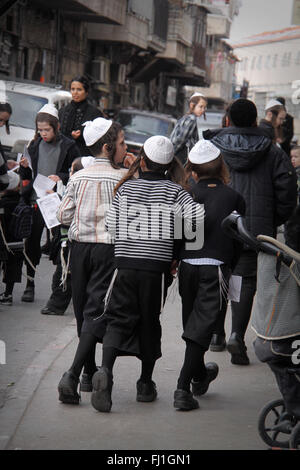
(74, 115)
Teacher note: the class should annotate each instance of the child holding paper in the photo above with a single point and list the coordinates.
(51, 155)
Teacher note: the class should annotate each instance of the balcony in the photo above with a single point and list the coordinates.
(104, 11)
(134, 31)
(218, 25)
(179, 27)
(174, 51)
(196, 61)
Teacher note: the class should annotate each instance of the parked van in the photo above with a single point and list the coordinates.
(26, 99)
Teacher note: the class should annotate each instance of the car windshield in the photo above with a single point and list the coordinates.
(24, 109)
(146, 125)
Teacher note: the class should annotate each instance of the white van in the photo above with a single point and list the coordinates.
(26, 99)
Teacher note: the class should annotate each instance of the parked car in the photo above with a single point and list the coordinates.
(26, 99)
(139, 125)
(213, 121)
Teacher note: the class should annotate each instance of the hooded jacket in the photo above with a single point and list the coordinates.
(261, 172)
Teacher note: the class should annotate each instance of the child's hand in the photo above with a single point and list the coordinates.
(129, 159)
(54, 178)
(76, 134)
(24, 162)
(11, 164)
(174, 268)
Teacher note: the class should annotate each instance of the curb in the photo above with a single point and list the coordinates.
(15, 407)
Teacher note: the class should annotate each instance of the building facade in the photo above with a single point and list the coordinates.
(142, 53)
(270, 63)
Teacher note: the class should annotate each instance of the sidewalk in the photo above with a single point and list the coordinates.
(34, 419)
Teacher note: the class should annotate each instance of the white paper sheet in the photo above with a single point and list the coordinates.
(48, 206)
(26, 155)
(234, 290)
(42, 184)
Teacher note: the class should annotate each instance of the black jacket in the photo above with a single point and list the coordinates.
(261, 172)
(69, 152)
(219, 201)
(3, 170)
(71, 118)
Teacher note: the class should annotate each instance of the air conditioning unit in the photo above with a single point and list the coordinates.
(100, 70)
(122, 74)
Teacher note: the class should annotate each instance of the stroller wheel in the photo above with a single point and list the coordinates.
(295, 437)
(274, 424)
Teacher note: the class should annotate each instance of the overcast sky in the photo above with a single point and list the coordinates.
(257, 16)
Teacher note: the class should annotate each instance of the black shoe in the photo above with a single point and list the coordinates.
(67, 389)
(51, 311)
(102, 386)
(217, 343)
(201, 387)
(237, 349)
(86, 383)
(6, 299)
(28, 295)
(146, 391)
(184, 400)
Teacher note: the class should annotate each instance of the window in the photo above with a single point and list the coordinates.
(253, 62)
(258, 66)
(267, 62)
(275, 57)
(298, 58)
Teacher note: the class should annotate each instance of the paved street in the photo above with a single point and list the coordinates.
(41, 348)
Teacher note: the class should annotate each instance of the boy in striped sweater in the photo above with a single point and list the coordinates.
(145, 218)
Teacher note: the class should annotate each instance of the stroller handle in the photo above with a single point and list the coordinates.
(234, 226)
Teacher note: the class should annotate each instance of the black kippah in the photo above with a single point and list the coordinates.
(243, 113)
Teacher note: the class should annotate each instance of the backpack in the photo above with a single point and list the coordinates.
(21, 221)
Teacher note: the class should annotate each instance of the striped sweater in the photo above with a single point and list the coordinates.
(146, 217)
(88, 196)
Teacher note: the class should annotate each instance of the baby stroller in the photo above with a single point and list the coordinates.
(276, 322)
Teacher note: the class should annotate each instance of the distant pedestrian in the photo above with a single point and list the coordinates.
(275, 114)
(287, 128)
(185, 133)
(263, 174)
(73, 116)
(204, 273)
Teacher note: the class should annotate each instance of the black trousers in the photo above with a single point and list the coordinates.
(133, 314)
(279, 354)
(199, 289)
(92, 266)
(59, 299)
(241, 311)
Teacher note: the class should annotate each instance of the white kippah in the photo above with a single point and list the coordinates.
(197, 94)
(272, 103)
(159, 149)
(87, 161)
(203, 152)
(95, 129)
(49, 109)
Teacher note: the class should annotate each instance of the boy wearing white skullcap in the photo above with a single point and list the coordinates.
(204, 273)
(51, 155)
(142, 220)
(88, 196)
